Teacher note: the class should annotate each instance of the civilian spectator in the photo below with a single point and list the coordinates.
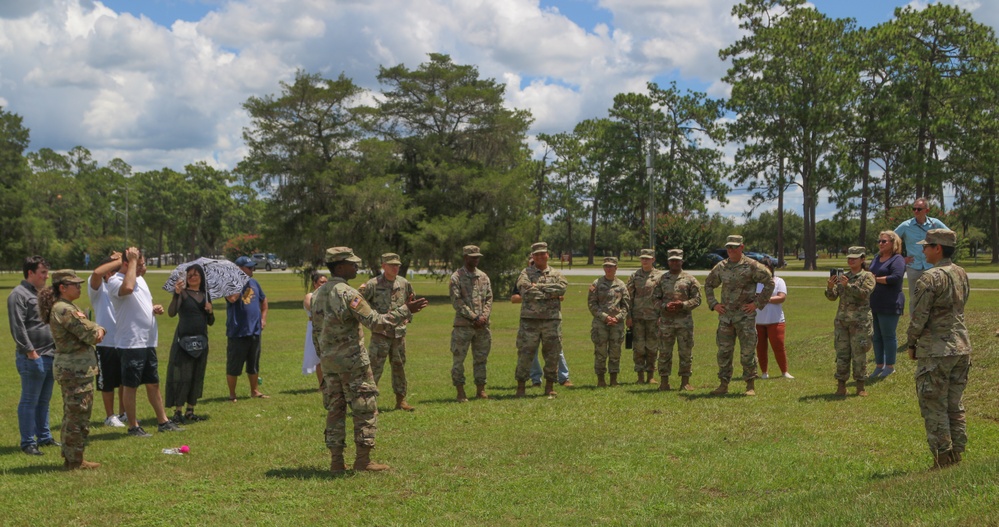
(913, 231)
(887, 301)
(245, 320)
(770, 327)
(189, 351)
(108, 357)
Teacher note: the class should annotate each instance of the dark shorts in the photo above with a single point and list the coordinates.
(109, 362)
(240, 351)
(139, 366)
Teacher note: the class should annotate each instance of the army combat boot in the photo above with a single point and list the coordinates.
(81, 465)
(601, 381)
(943, 460)
(462, 398)
(841, 390)
(860, 389)
(648, 378)
(751, 387)
(613, 379)
(641, 377)
(550, 388)
(480, 391)
(364, 463)
(664, 384)
(401, 404)
(722, 389)
(521, 389)
(337, 464)
(685, 383)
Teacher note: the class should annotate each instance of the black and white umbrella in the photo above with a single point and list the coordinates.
(223, 277)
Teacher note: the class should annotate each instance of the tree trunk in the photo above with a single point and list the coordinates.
(993, 219)
(593, 229)
(780, 212)
(865, 193)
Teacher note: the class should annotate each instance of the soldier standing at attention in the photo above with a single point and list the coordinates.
(938, 340)
(337, 312)
(608, 301)
(737, 276)
(541, 289)
(643, 316)
(472, 299)
(384, 293)
(75, 363)
(854, 325)
(676, 295)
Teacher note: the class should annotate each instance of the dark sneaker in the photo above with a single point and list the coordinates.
(32, 450)
(169, 426)
(138, 432)
(49, 442)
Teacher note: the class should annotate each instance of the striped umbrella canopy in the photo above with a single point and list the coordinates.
(222, 276)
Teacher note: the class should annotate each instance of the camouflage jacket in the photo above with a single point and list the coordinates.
(640, 287)
(854, 297)
(682, 287)
(608, 298)
(75, 338)
(738, 284)
(338, 311)
(541, 292)
(471, 296)
(936, 326)
(384, 296)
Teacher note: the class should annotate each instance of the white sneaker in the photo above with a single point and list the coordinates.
(114, 422)
(788, 375)
(765, 376)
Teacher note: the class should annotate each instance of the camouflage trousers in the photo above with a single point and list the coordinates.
(852, 340)
(77, 404)
(607, 341)
(532, 332)
(481, 341)
(731, 326)
(645, 344)
(940, 383)
(347, 378)
(680, 332)
(393, 349)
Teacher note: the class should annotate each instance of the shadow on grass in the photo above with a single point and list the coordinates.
(730, 395)
(828, 397)
(877, 476)
(300, 391)
(302, 473)
(36, 469)
(224, 399)
(108, 436)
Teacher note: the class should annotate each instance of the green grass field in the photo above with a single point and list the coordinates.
(793, 455)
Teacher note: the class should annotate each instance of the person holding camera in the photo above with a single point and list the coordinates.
(853, 324)
(189, 352)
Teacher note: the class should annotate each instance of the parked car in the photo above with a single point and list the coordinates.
(269, 261)
(763, 258)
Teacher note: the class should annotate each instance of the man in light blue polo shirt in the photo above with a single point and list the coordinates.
(912, 232)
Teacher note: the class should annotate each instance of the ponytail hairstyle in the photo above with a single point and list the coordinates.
(46, 299)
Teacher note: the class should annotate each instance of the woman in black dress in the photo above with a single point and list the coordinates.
(189, 352)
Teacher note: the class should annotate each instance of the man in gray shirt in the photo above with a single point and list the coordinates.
(33, 356)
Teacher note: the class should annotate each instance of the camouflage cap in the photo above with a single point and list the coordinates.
(471, 250)
(733, 241)
(945, 237)
(610, 260)
(648, 253)
(341, 254)
(539, 247)
(65, 276)
(675, 254)
(391, 259)
(857, 252)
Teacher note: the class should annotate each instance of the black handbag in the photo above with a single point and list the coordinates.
(194, 345)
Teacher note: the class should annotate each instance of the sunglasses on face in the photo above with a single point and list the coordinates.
(884, 241)
(917, 209)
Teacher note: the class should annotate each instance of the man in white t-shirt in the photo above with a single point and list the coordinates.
(136, 336)
(108, 358)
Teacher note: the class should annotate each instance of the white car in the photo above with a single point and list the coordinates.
(268, 261)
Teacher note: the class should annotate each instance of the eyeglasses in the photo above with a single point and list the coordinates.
(917, 209)
(884, 241)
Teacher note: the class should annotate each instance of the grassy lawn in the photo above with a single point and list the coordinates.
(793, 455)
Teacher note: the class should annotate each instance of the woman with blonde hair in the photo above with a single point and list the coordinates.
(887, 301)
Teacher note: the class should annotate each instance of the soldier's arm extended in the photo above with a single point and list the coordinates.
(762, 276)
(693, 296)
(923, 299)
(76, 323)
(362, 312)
(710, 283)
(409, 294)
(461, 308)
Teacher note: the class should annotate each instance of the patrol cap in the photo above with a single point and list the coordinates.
(539, 247)
(648, 253)
(65, 276)
(610, 260)
(341, 254)
(945, 237)
(245, 261)
(391, 259)
(675, 254)
(733, 240)
(471, 250)
(857, 252)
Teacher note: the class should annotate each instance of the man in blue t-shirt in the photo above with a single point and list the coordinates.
(245, 319)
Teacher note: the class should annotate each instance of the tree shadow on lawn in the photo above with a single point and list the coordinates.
(36, 469)
(302, 473)
(737, 394)
(300, 391)
(827, 397)
(4, 450)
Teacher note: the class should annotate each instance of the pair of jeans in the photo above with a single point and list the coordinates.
(36, 392)
(884, 338)
(563, 369)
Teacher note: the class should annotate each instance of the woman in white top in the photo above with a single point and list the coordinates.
(310, 358)
(770, 327)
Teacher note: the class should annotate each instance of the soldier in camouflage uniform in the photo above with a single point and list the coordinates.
(384, 293)
(338, 310)
(737, 276)
(853, 325)
(938, 340)
(541, 288)
(472, 299)
(643, 317)
(676, 296)
(75, 363)
(608, 301)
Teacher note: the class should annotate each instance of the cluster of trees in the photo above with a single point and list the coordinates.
(870, 117)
